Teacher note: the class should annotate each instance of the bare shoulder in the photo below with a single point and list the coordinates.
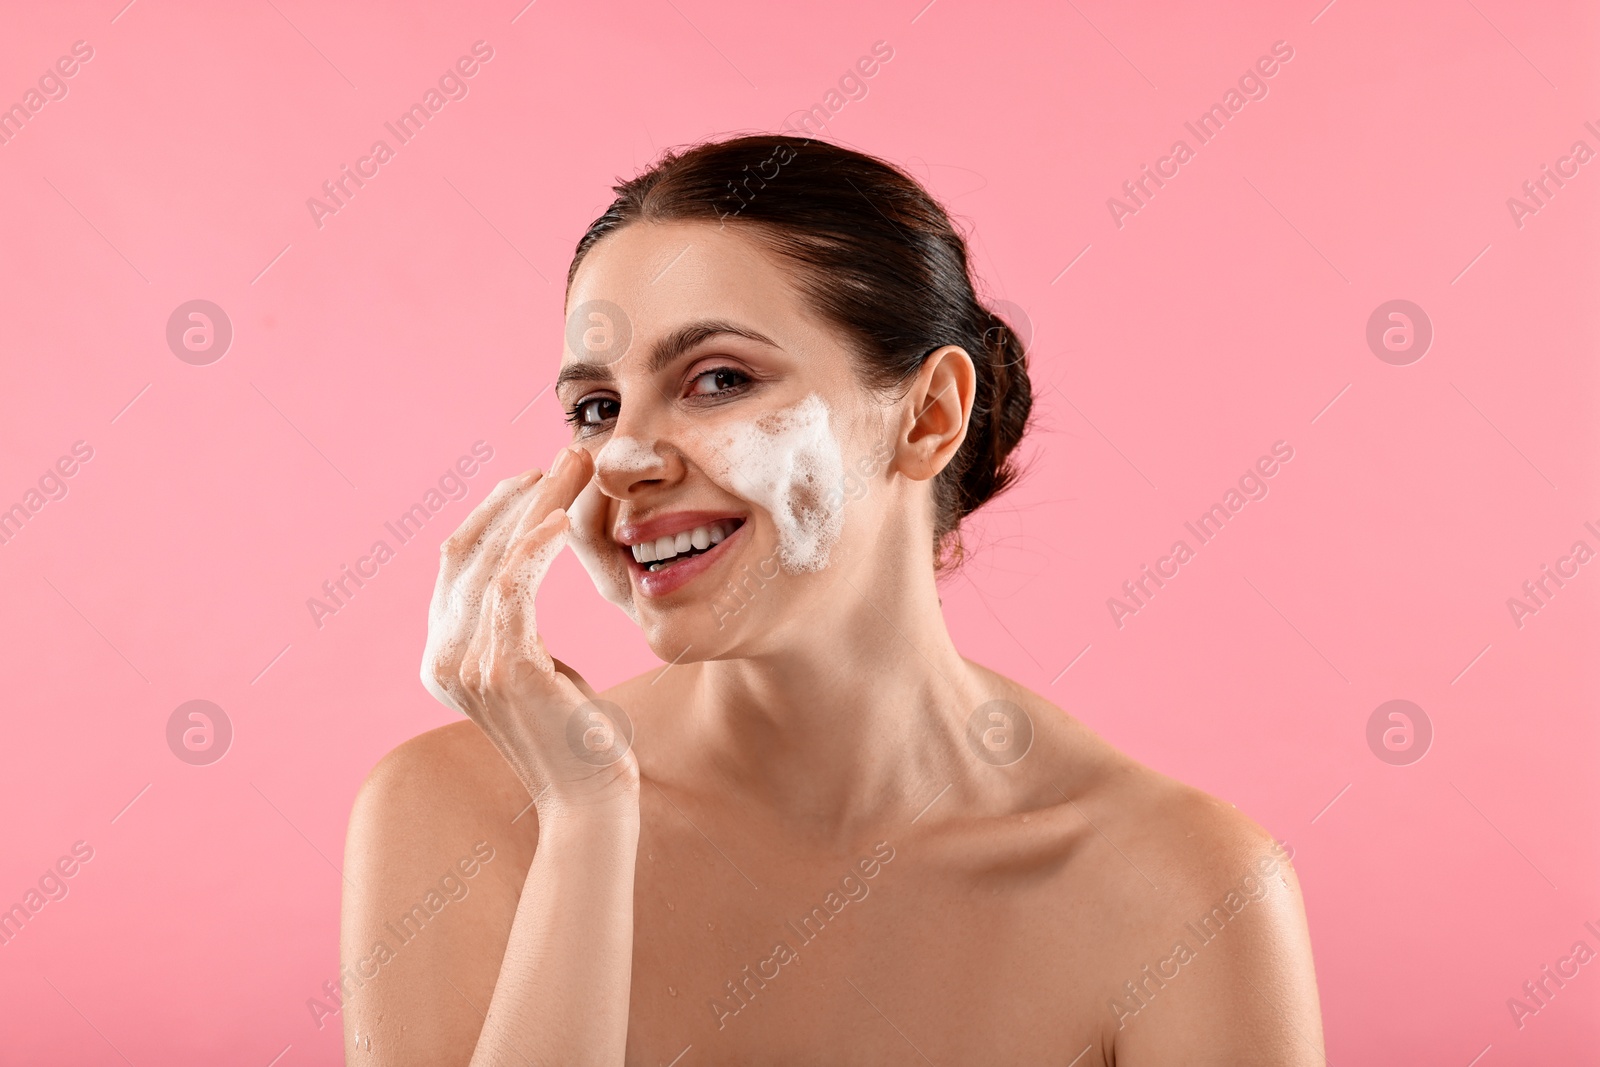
(431, 790)
(439, 843)
(1183, 834)
(1192, 841)
(1206, 944)
(1218, 956)
(1200, 952)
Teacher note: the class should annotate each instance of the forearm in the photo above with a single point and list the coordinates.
(562, 993)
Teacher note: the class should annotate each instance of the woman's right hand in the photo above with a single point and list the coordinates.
(484, 656)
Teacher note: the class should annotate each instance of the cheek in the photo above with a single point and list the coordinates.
(810, 504)
(596, 551)
(788, 463)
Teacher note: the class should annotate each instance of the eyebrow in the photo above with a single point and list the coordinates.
(684, 339)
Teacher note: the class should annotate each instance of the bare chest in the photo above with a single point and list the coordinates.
(750, 949)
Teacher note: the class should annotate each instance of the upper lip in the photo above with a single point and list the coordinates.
(633, 533)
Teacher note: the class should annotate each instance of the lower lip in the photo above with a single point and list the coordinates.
(675, 577)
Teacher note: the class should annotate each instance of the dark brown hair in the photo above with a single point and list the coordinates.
(878, 258)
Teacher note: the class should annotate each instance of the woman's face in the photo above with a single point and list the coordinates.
(738, 458)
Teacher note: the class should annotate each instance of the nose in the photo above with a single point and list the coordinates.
(626, 466)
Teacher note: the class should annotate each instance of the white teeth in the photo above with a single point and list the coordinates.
(666, 547)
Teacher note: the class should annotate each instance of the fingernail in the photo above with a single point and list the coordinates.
(563, 460)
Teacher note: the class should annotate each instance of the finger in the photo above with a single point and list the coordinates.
(457, 593)
(588, 512)
(510, 527)
(575, 678)
(571, 471)
(543, 494)
(441, 668)
(471, 556)
(465, 608)
(474, 572)
(467, 558)
(510, 632)
(472, 529)
(452, 621)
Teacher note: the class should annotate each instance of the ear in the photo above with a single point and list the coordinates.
(936, 410)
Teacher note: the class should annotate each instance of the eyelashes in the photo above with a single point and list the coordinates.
(717, 374)
(591, 413)
(578, 414)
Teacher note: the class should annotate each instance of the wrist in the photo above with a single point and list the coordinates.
(604, 834)
(580, 786)
(615, 807)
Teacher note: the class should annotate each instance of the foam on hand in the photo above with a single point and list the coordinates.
(458, 607)
(514, 615)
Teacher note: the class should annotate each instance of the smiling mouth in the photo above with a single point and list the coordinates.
(669, 550)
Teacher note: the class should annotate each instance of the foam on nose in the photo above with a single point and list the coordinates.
(627, 455)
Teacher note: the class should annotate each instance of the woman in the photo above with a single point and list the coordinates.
(819, 835)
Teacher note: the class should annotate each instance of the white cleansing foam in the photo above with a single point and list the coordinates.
(628, 456)
(788, 462)
(515, 614)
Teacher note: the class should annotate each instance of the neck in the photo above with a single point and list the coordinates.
(853, 712)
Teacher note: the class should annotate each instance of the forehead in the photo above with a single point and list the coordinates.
(663, 275)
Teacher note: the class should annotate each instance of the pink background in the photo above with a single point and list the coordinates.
(1227, 314)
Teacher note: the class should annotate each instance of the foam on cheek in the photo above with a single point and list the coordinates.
(597, 552)
(788, 462)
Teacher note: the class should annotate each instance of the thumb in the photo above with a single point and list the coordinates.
(575, 678)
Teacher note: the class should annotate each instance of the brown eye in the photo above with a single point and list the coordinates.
(595, 411)
(720, 380)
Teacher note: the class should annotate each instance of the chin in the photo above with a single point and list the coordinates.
(697, 606)
(692, 635)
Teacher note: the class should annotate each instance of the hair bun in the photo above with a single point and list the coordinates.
(1000, 415)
